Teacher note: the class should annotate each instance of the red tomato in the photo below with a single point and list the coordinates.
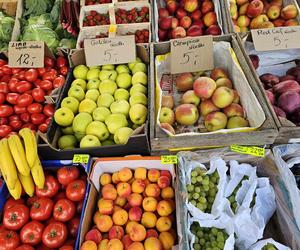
(25, 247)
(37, 119)
(2, 62)
(63, 70)
(35, 108)
(46, 85)
(64, 210)
(55, 235)
(38, 94)
(24, 100)
(58, 81)
(12, 98)
(6, 110)
(15, 217)
(30, 126)
(73, 226)
(4, 88)
(6, 70)
(48, 120)
(23, 86)
(79, 207)
(41, 209)
(76, 190)
(3, 121)
(66, 175)
(13, 84)
(43, 127)
(2, 98)
(15, 70)
(49, 62)
(10, 202)
(41, 71)
(14, 118)
(31, 233)
(31, 200)
(61, 62)
(21, 75)
(50, 75)
(50, 189)
(25, 117)
(31, 75)
(9, 240)
(16, 125)
(49, 110)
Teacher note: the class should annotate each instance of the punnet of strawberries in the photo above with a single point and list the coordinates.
(135, 15)
(141, 36)
(94, 19)
(94, 2)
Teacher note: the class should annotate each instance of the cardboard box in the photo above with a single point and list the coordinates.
(262, 132)
(137, 144)
(111, 165)
(288, 131)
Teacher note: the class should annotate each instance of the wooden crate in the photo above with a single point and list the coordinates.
(288, 132)
(266, 134)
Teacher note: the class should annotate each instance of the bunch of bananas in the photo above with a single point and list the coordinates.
(20, 164)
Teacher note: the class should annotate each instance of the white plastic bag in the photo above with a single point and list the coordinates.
(260, 244)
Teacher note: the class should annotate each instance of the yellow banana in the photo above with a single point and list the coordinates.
(8, 167)
(17, 191)
(27, 184)
(30, 145)
(18, 153)
(37, 173)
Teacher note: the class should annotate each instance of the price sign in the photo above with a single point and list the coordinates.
(104, 51)
(169, 159)
(192, 54)
(26, 54)
(276, 38)
(81, 159)
(256, 151)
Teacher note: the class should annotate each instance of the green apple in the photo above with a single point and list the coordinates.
(92, 74)
(138, 98)
(121, 94)
(67, 141)
(107, 143)
(120, 107)
(80, 122)
(139, 77)
(87, 106)
(67, 130)
(124, 80)
(108, 74)
(105, 100)
(108, 67)
(139, 67)
(71, 103)
(79, 136)
(138, 114)
(92, 94)
(107, 86)
(115, 121)
(79, 82)
(122, 69)
(138, 88)
(122, 135)
(89, 141)
(77, 92)
(131, 65)
(98, 129)
(100, 113)
(64, 117)
(93, 84)
(80, 72)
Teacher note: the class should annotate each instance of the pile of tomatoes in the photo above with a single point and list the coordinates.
(48, 220)
(22, 95)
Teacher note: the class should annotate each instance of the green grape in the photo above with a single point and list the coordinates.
(202, 242)
(231, 199)
(221, 244)
(199, 170)
(197, 189)
(214, 231)
(269, 246)
(190, 187)
(211, 185)
(199, 178)
(194, 173)
(216, 248)
(212, 192)
(201, 206)
(202, 194)
(194, 203)
(202, 200)
(213, 241)
(200, 234)
(197, 246)
(190, 196)
(196, 196)
(194, 180)
(213, 179)
(205, 187)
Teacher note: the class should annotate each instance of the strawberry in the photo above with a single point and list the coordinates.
(89, 17)
(93, 13)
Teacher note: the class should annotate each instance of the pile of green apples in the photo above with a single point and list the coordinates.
(104, 105)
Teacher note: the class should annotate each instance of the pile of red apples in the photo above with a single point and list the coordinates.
(212, 97)
(259, 14)
(187, 18)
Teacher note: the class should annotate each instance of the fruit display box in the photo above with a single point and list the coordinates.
(253, 102)
(279, 22)
(112, 165)
(122, 30)
(277, 65)
(138, 143)
(281, 226)
(52, 166)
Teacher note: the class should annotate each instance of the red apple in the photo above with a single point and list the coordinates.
(185, 22)
(207, 7)
(163, 12)
(165, 23)
(180, 13)
(213, 30)
(178, 32)
(195, 30)
(198, 23)
(196, 15)
(190, 5)
(162, 34)
(255, 8)
(172, 6)
(175, 22)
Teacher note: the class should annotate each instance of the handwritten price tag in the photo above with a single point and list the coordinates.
(192, 54)
(256, 151)
(29, 54)
(81, 159)
(169, 159)
(276, 38)
(115, 50)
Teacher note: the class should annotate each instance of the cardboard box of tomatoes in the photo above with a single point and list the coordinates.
(52, 217)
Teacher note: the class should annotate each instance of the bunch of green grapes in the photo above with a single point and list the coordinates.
(269, 246)
(208, 238)
(203, 189)
(231, 198)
